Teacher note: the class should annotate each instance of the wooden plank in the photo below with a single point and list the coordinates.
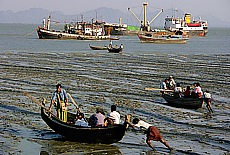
(78, 109)
(158, 89)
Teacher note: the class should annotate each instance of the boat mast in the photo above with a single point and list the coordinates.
(156, 16)
(145, 26)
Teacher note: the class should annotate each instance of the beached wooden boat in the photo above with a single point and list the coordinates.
(162, 39)
(98, 47)
(181, 102)
(105, 135)
(115, 50)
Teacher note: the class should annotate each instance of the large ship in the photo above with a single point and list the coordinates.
(116, 29)
(80, 30)
(191, 26)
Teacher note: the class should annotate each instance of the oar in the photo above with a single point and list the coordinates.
(78, 109)
(158, 89)
(39, 103)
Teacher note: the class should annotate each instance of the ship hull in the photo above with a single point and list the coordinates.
(197, 32)
(46, 34)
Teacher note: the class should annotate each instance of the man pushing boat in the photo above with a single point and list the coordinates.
(151, 131)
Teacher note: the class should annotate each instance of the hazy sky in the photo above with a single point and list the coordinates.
(217, 8)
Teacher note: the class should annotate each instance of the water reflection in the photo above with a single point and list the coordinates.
(59, 146)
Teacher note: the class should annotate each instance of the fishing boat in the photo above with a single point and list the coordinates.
(105, 135)
(98, 47)
(162, 39)
(115, 50)
(191, 27)
(79, 30)
(181, 102)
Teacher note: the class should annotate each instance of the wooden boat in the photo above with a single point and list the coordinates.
(162, 39)
(105, 135)
(181, 102)
(98, 47)
(115, 50)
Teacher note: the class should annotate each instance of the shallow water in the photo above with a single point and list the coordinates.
(96, 78)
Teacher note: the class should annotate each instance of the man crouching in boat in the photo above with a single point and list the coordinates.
(62, 102)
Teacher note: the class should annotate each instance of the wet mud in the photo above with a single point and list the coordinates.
(103, 79)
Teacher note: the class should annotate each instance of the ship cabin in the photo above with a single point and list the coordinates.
(175, 24)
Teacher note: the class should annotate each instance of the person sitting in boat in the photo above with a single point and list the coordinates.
(177, 90)
(187, 92)
(151, 131)
(113, 117)
(97, 120)
(80, 120)
(121, 46)
(62, 102)
(172, 83)
(197, 92)
(165, 84)
(110, 44)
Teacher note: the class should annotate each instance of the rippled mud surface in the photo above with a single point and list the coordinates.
(103, 79)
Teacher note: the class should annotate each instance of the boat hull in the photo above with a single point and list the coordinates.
(105, 135)
(161, 39)
(98, 47)
(46, 34)
(187, 103)
(200, 33)
(115, 50)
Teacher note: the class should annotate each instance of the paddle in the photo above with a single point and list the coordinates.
(78, 109)
(39, 103)
(158, 89)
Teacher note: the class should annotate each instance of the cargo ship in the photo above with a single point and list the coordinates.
(80, 30)
(186, 24)
(116, 29)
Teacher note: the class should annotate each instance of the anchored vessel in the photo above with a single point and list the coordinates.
(162, 39)
(192, 27)
(80, 30)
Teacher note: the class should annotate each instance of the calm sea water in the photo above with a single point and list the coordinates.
(23, 37)
(98, 78)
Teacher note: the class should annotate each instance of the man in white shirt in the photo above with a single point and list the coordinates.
(152, 132)
(114, 115)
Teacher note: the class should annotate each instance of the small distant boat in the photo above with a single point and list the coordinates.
(162, 39)
(181, 102)
(98, 47)
(115, 50)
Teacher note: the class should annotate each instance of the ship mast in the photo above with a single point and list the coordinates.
(144, 25)
(145, 16)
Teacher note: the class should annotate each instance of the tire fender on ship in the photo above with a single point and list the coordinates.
(60, 35)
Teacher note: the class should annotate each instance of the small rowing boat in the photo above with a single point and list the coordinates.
(115, 50)
(105, 135)
(182, 102)
(98, 47)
